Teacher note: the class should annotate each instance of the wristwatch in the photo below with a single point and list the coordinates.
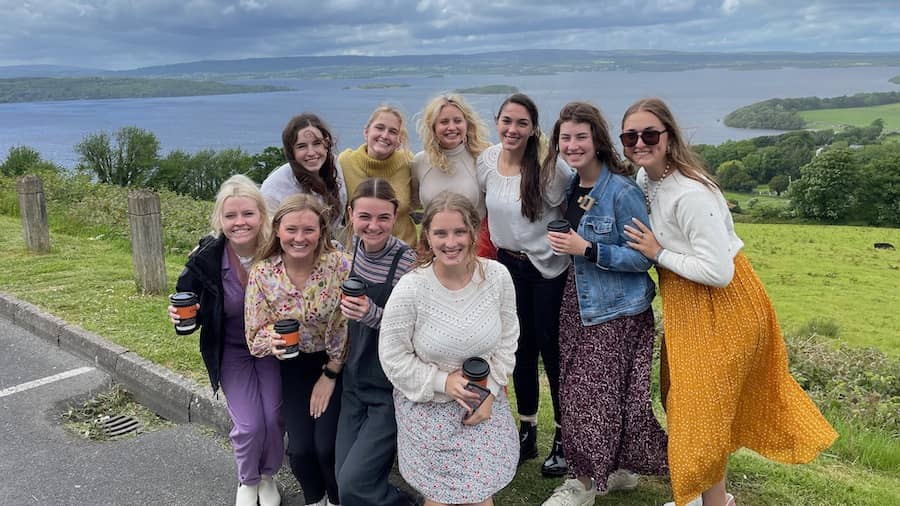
(590, 253)
(329, 373)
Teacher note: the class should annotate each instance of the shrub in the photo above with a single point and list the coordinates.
(859, 383)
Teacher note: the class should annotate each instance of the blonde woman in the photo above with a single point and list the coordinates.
(453, 136)
(217, 272)
(452, 307)
(299, 276)
(384, 155)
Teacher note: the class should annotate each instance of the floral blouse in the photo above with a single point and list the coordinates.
(271, 296)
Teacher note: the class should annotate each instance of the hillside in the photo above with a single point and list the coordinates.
(40, 89)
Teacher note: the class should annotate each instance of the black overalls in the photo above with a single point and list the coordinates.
(367, 429)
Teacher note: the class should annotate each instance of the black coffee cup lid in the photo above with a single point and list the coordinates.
(476, 368)
(183, 299)
(286, 325)
(353, 286)
(559, 226)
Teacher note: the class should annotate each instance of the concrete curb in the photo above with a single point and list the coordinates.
(170, 395)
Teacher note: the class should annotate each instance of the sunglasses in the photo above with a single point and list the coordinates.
(650, 137)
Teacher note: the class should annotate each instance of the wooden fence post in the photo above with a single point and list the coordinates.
(145, 222)
(33, 209)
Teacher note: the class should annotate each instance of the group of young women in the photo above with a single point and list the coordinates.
(380, 375)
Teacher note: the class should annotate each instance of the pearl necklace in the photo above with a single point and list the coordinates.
(649, 197)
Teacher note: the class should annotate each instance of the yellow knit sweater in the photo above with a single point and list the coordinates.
(396, 169)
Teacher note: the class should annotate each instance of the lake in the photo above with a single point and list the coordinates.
(699, 98)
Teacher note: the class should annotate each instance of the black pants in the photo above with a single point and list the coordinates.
(538, 302)
(310, 440)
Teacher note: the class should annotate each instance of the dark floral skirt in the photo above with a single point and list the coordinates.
(607, 418)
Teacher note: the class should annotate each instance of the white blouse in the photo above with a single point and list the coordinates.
(511, 230)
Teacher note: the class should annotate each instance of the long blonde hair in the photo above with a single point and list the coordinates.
(240, 185)
(295, 203)
(679, 154)
(476, 139)
(452, 202)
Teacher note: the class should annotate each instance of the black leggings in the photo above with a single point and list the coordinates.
(310, 440)
(538, 302)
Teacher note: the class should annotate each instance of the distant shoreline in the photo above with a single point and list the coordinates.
(48, 89)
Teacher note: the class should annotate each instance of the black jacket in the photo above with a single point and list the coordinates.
(203, 275)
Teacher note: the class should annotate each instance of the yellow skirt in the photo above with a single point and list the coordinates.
(725, 365)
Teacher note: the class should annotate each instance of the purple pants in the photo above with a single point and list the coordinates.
(252, 388)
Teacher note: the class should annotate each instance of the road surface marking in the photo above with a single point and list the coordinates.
(43, 381)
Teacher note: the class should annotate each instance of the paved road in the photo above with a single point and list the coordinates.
(43, 464)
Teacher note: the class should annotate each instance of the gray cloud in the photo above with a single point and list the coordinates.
(120, 34)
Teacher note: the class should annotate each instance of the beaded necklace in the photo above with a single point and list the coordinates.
(649, 197)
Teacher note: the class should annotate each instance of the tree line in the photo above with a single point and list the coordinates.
(781, 113)
(848, 175)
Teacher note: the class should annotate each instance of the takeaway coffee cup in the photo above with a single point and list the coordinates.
(354, 287)
(185, 304)
(561, 226)
(476, 370)
(289, 330)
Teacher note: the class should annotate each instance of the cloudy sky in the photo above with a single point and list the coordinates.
(122, 34)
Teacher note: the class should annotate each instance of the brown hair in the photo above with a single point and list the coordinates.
(376, 188)
(679, 154)
(476, 132)
(583, 112)
(325, 183)
(453, 202)
(296, 203)
(534, 179)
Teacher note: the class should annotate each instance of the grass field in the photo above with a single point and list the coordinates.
(811, 272)
(856, 116)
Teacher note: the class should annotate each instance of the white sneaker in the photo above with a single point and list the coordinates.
(696, 502)
(621, 479)
(268, 492)
(246, 495)
(320, 502)
(572, 493)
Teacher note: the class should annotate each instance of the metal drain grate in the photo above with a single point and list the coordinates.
(119, 425)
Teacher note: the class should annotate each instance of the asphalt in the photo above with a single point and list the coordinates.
(43, 463)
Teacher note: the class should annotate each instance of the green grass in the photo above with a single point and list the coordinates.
(856, 116)
(810, 272)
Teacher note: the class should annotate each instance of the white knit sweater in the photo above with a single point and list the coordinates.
(427, 331)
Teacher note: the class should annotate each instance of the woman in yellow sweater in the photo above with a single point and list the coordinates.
(384, 155)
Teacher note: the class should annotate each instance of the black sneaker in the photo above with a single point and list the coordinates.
(527, 442)
(555, 465)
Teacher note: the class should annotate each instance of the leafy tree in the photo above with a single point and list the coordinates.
(878, 193)
(132, 161)
(200, 175)
(265, 162)
(733, 176)
(825, 188)
(779, 183)
(19, 161)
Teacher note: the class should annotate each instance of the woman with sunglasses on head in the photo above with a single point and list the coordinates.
(311, 168)
(522, 197)
(724, 375)
(606, 323)
(456, 438)
(452, 137)
(384, 155)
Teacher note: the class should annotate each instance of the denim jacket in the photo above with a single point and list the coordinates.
(617, 284)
